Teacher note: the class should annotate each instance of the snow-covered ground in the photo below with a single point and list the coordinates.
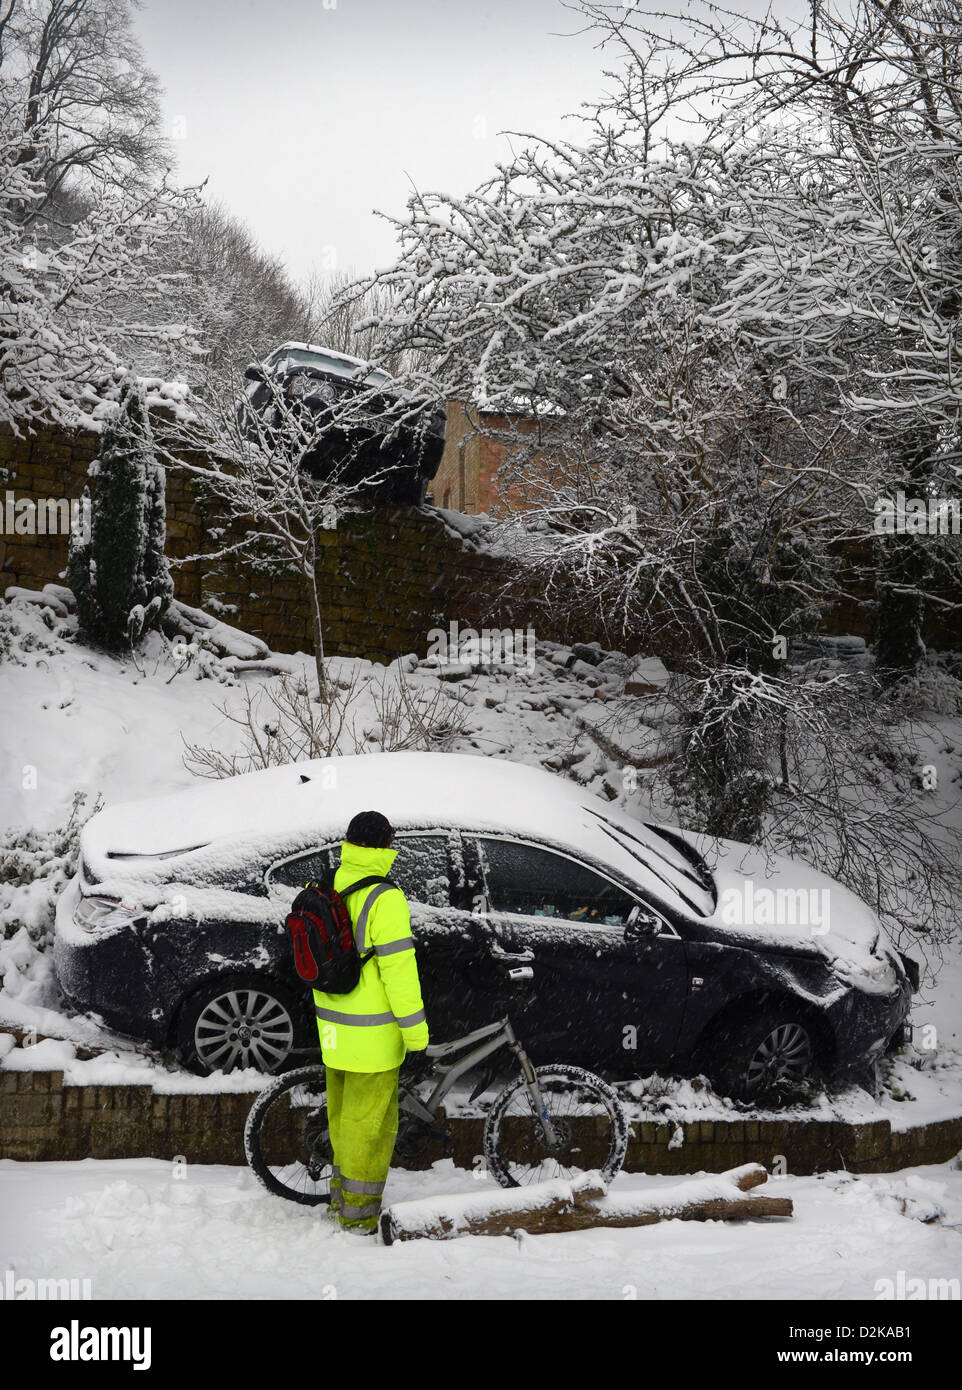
(77, 721)
(137, 1230)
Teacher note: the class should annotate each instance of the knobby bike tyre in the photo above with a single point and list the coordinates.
(285, 1137)
(514, 1147)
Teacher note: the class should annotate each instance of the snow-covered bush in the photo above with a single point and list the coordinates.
(936, 688)
(30, 627)
(34, 867)
(7, 635)
(283, 722)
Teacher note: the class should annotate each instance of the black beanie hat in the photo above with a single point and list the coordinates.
(370, 829)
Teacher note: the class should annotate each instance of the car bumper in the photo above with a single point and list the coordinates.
(867, 1026)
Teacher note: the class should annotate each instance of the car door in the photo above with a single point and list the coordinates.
(604, 991)
(451, 960)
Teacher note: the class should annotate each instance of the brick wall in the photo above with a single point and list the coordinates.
(387, 575)
(476, 445)
(42, 1119)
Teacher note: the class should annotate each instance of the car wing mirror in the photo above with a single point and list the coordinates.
(255, 372)
(641, 922)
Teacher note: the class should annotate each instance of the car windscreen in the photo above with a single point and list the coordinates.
(329, 362)
(668, 860)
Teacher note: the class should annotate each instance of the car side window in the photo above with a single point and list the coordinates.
(316, 864)
(537, 882)
(421, 868)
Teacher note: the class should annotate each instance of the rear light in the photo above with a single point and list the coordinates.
(99, 914)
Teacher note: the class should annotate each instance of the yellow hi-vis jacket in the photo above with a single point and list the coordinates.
(373, 1027)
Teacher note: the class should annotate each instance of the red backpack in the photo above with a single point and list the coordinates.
(325, 952)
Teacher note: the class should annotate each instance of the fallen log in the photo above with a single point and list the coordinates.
(749, 1175)
(558, 1206)
(536, 1208)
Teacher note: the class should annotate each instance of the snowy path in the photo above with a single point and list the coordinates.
(136, 1231)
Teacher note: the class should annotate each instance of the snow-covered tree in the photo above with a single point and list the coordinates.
(119, 573)
(276, 506)
(90, 109)
(700, 448)
(578, 288)
(854, 274)
(74, 314)
(240, 300)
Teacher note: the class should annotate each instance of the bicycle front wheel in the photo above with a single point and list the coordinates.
(286, 1138)
(590, 1123)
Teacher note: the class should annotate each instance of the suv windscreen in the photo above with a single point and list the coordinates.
(537, 882)
(330, 362)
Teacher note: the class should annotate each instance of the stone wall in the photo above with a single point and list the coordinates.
(41, 1118)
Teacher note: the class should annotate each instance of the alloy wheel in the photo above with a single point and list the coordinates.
(245, 1028)
(782, 1061)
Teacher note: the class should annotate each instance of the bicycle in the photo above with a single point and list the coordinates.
(564, 1115)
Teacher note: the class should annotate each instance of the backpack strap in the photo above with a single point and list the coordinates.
(363, 883)
(384, 885)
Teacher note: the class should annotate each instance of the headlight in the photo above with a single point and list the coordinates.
(96, 914)
(301, 386)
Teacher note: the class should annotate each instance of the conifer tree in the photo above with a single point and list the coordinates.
(119, 573)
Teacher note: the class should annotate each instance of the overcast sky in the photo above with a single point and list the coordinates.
(306, 115)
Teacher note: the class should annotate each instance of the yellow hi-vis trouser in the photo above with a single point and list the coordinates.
(362, 1116)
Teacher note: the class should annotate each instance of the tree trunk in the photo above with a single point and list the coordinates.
(535, 1208)
(904, 563)
(317, 625)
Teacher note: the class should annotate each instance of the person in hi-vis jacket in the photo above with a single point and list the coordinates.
(366, 1034)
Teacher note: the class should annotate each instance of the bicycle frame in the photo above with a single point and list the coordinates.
(498, 1035)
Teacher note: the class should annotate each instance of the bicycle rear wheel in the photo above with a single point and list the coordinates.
(286, 1137)
(592, 1123)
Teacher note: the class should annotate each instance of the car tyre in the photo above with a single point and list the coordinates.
(242, 1021)
(769, 1058)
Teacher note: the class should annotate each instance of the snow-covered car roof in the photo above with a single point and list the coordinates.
(312, 802)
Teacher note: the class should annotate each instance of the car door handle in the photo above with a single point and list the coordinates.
(500, 954)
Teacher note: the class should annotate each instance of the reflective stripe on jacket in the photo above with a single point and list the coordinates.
(373, 1027)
